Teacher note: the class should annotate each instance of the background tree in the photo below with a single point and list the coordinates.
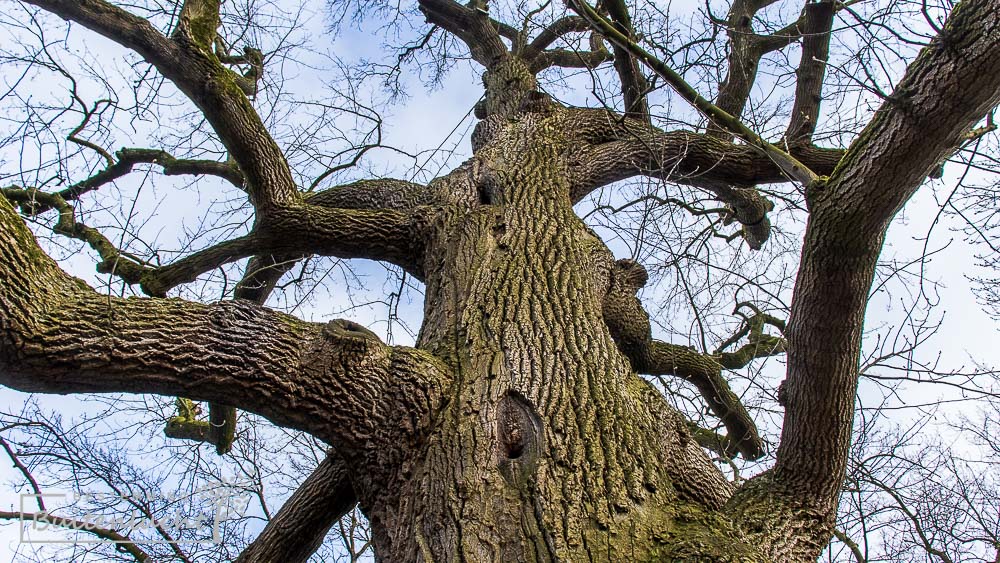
(517, 426)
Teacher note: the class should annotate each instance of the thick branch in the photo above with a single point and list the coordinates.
(383, 193)
(189, 62)
(951, 85)
(261, 276)
(377, 234)
(628, 323)
(126, 29)
(259, 280)
(473, 27)
(336, 381)
(552, 33)
(566, 58)
(789, 165)
(851, 544)
(612, 149)
(705, 372)
(812, 69)
(298, 529)
(634, 85)
(745, 52)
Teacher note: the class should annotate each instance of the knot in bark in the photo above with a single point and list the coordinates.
(750, 209)
(631, 274)
(343, 329)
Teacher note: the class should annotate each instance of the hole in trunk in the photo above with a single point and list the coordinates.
(518, 427)
(485, 195)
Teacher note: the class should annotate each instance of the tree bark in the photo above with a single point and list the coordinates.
(517, 429)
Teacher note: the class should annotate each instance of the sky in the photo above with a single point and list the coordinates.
(428, 118)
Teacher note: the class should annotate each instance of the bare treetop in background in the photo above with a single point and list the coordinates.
(523, 424)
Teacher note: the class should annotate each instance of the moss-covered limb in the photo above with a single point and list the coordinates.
(222, 427)
(186, 424)
(789, 165)
(294, 533)
(705, 372)
(759, 345)
(199, 22)
(476, 29)
(711, 440)
(852, 545)
(129, 268)
(252, 58)
(334, 380)
(187, 59)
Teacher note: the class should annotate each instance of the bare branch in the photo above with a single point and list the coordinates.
(786, 162)
(189, 62)
(59, 336)
(629, 326)
(125, 161)
(107, 534)
(476, 29)
(812, 68)
(298, 529)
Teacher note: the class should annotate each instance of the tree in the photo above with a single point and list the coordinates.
(517, 428)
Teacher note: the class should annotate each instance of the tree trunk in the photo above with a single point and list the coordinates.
(519, 430)
(550, 447)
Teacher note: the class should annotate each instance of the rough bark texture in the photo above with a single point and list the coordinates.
(518, 428)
